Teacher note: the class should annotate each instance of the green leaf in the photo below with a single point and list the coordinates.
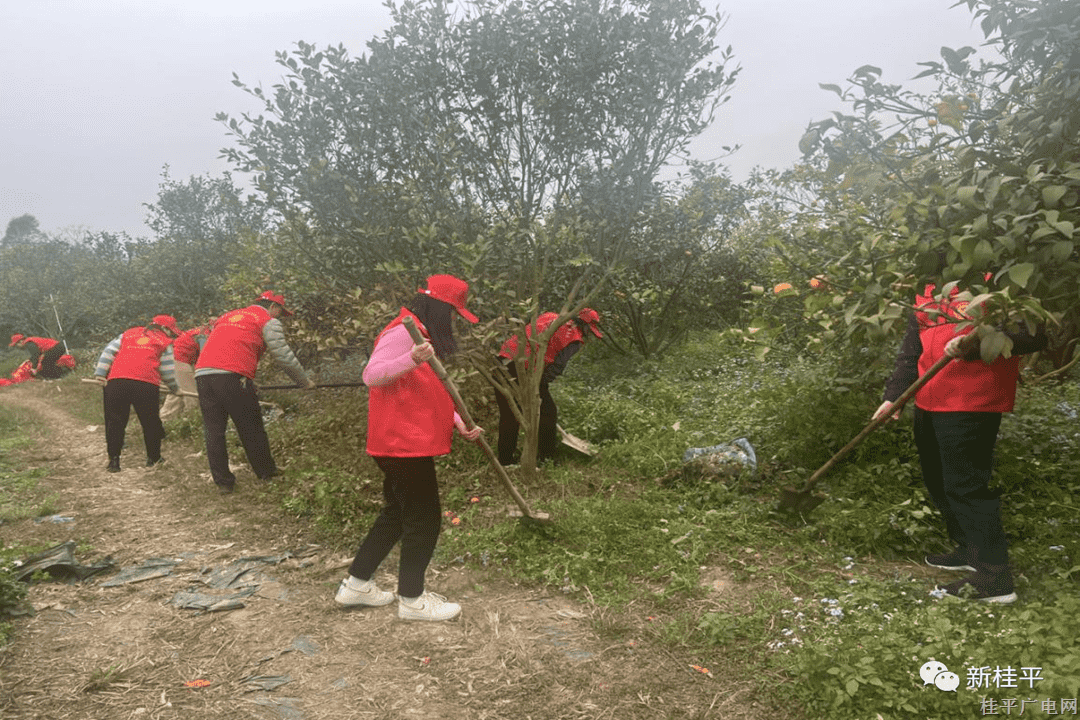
(984, 254)
(1021, 273)
(992, 346)
(1064, 227)
(1052, 194)
(966, 195)
(1061, 251)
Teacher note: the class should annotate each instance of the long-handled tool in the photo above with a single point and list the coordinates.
(58, 325)
(162, 388)
(318, 385)
(800, 502)
(165, 388)
(463, 411)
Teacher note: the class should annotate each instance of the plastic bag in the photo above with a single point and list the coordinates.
(723, 461)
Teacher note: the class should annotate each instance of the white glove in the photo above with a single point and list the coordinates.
(421, 353)
(883, 409)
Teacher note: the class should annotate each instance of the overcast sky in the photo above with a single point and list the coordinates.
(97, 96)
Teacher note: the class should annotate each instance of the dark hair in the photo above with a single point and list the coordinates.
(265, 303)
(436, 316)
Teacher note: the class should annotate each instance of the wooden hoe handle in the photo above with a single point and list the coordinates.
(463, 411)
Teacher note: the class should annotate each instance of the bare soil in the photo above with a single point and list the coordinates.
(98, 651)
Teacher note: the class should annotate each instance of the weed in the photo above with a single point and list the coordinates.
(102, 679)
(838, 638)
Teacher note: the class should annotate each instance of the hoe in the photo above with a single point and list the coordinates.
(463, 411)
(800, 502)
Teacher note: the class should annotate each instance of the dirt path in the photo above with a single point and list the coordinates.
(108, 650)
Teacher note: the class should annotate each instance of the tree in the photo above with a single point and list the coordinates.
(200, 226)
(489, 116)
(981, 177)
(22, 229)
(680, 270)
(517, 139)
(39, 281)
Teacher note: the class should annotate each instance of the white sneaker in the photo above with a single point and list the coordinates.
(353, 592)
(428, 606)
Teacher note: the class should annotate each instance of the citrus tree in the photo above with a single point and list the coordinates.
(974, 185)
(514, 141)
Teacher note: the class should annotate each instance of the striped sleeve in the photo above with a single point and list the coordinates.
(105, 362)
(168, 369)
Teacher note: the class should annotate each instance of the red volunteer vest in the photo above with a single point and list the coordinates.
(414, 415)
(139, 356)
(186, 345)
(236, 342)
(565, 335)
(43, 344)
(959, 386)
(22, 373)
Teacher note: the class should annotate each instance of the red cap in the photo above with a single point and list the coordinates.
(590, 317)
(167, 322)
(274, 298)
(66, 361)
(16, 338)
(450, 290)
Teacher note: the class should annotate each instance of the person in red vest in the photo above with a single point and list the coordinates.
(411, 420)
(44, 354)
(225, 378)
(21, 374)
(133, 367)
(186, 350)
(563, 345)
(957, 416)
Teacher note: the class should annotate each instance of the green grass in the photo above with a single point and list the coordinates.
(833, 616)
(852, 634)
(20, 498)
(838, 614)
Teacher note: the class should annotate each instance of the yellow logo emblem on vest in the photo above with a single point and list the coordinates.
(142, 341)
(236, 318)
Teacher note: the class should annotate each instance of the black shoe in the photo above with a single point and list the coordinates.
(114, 464)
(152, 463)
(959, 560)
(990, 583)
(226, 489)
(267, 478)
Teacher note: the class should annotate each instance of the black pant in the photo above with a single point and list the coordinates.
(49, 369)
(412, 514)
(230, 395)
(121, 394)
(956, 451)
(509, 427)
